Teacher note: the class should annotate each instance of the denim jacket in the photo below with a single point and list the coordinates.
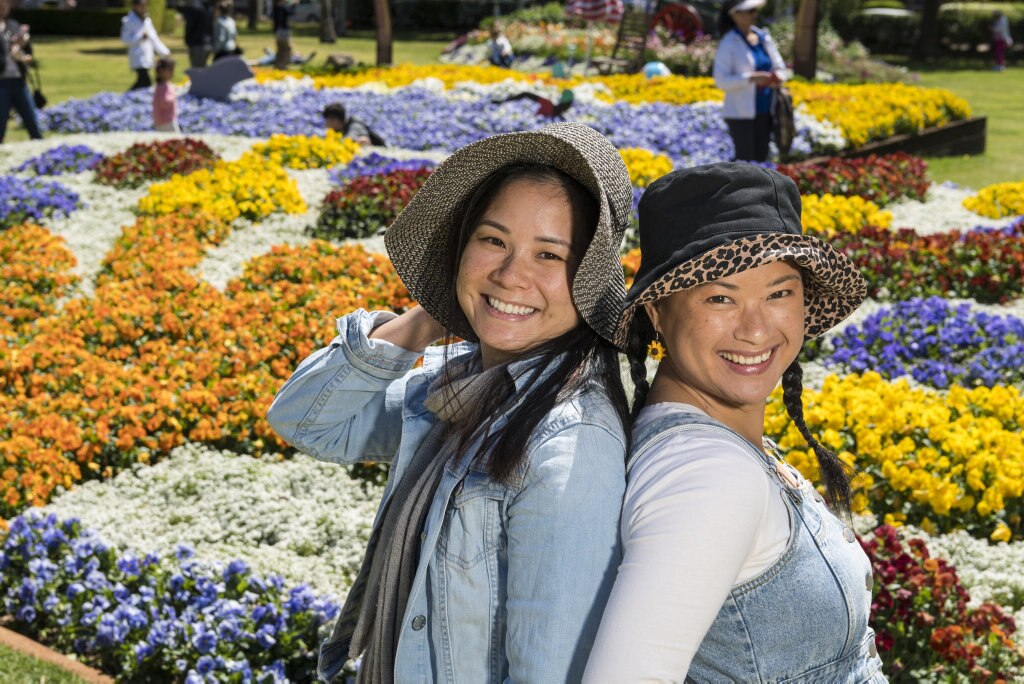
(512, 579)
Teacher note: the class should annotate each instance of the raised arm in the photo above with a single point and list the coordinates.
(344, 402)
(563, 549)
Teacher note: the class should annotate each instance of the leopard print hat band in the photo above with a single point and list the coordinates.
(709, 222)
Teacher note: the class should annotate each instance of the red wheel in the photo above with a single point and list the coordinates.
(681, 20)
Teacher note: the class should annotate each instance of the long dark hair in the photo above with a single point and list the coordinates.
(834, 472)
(570, 361)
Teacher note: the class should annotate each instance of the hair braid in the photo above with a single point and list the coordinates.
(835, 472)
(641, 332)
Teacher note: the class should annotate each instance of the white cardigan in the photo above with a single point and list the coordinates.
(734, 62)
(142, 40)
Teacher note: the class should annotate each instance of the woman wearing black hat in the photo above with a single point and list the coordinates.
(496, 542)
(748, 67)
(734, 568)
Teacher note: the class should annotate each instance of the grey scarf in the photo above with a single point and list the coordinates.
(372, 616)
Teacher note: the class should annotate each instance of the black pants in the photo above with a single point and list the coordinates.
(750, 137)
(14, 94)
(142, 79)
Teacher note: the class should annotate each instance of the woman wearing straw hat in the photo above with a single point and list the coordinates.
(497, 540)
(734, 568)
(748, 67)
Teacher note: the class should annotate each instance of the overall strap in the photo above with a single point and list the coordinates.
(677, 422)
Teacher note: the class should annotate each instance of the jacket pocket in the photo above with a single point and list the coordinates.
(473, 520)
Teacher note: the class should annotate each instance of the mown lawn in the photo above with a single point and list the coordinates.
(16, 668)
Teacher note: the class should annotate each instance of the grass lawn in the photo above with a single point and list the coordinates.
(16, 668)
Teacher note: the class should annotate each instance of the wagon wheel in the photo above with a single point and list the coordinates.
(681, 20)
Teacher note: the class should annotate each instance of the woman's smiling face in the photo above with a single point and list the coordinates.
(515, 276)
(730, 340)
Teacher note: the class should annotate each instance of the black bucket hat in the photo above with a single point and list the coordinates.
(418, 239)
(713, 221)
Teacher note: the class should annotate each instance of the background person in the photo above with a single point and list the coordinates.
(734, 569)
(282, 18)
(198, 32)
(337, 120)
(225, 31)
(497, 539)
(165, 100)
(138, 32)
(15, 59)
(1001, 39)
(499, 49)
(747, 67)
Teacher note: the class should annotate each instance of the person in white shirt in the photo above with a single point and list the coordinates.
(499, 48)
(144, 45)
(733, 567)
(748, 67)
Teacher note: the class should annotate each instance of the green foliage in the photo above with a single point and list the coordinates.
(552, 12)
(970, 23)
(55, 22)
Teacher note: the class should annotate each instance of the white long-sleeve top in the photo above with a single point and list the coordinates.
(734, 62)
(699, 517)
(139, 34)
(1001, 30)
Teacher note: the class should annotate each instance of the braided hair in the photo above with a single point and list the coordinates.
(641, 332)
(835, 472)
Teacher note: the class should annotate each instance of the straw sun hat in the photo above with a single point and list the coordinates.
(417, 241)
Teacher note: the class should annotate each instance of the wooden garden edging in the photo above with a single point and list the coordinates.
(953, 139)
(22, 644)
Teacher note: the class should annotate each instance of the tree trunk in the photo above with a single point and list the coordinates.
(253, 12)
(327, 34)
(928, 38)
(382, 17)
(805, 44)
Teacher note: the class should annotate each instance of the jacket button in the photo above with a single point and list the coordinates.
(418, 622)
(872, 649)
(849, 535)
(869, 582)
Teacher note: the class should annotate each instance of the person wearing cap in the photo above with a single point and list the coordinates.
(748, 67)
(734, 568)
(496, 542)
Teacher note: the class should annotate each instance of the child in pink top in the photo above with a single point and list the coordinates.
(165, 102)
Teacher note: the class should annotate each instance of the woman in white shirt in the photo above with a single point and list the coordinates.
(733, 567)
(748, 67)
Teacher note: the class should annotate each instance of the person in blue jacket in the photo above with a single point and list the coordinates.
(496, 542)
(749, 68)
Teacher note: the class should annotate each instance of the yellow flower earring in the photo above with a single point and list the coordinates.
(656, 350)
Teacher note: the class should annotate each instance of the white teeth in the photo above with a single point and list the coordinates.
(505, 307)
(746, 360)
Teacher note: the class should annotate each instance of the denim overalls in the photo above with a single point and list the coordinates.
(805, 618)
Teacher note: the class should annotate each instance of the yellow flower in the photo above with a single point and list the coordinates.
(644, 166)
(829, 215)
(1001, 533)
(308, 152)
(997, 201)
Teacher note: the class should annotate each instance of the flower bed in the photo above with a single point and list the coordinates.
(878, 179)
(644, 166)
(376, 163)
(252, 188)
(156, 356)
(830, 215)
(367, 204)
(144, 162)
(996, 201)
(985, 265)
(308, 152)
(218, 503)
(951, 462)
(32, 200)
(921, 621)
(147, 617)
(60, 160)
(935, 343)
(35, 271)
